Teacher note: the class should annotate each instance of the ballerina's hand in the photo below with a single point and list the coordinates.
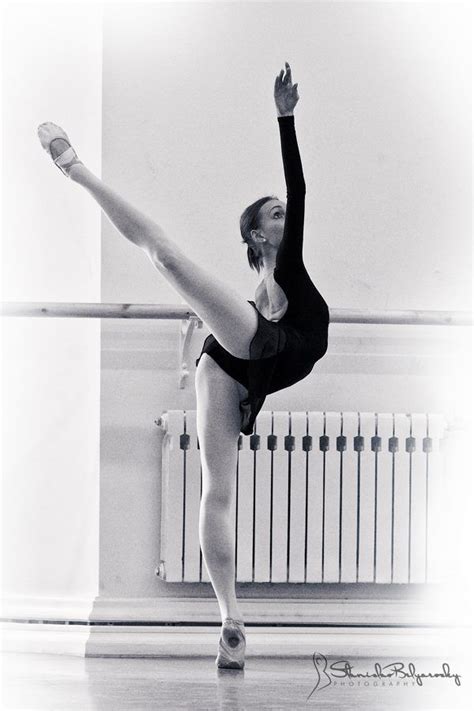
(286, 93)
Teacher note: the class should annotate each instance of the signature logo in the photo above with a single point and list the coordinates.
(398, 670)
(323, 679)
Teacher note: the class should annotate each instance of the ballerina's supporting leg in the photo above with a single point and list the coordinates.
(218, 423)
(218, 426)
(232, 320)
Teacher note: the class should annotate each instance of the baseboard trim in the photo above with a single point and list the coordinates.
(187, 641)
(271, 611)
(38, 608)
(192, 610)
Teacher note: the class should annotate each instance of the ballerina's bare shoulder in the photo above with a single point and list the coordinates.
(270, 299)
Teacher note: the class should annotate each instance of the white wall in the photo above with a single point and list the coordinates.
(190, 136)
(51, 252)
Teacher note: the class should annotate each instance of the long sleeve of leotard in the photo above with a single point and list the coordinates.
(290, 251)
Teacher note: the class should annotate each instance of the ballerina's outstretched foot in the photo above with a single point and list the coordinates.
(55, 141)
(232, 643)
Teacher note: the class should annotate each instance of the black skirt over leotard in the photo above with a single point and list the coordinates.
(282, 352)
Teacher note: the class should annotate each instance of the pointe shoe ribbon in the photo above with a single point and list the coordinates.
(232, 644)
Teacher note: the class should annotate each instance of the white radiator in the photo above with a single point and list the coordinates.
(322, 497)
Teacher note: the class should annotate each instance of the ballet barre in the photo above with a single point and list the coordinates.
(416, 317)
(190, 320)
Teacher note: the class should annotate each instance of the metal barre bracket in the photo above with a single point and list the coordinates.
(186, 331)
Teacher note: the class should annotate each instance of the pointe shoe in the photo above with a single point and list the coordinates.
(63, 156)
(232, 643)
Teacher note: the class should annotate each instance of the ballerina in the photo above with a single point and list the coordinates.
(255, 347)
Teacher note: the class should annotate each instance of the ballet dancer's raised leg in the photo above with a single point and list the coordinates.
(233, 322)
(231, 319)
(218, 426)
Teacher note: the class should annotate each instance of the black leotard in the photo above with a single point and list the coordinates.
(282, 352)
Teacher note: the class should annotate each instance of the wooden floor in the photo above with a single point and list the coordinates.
(35, 682)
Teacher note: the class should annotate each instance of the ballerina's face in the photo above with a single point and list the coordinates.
(272, 221)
